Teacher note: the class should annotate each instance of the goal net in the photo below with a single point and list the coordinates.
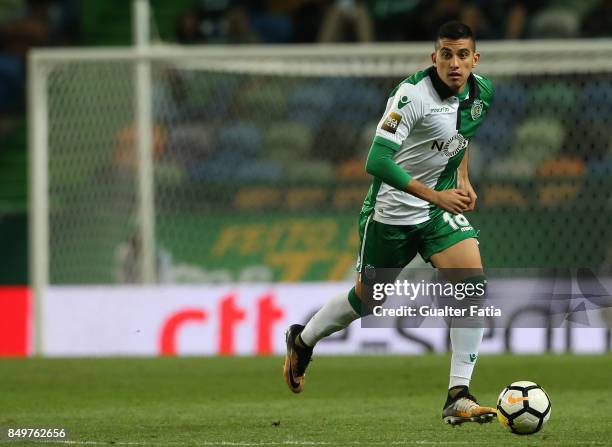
(257, 157)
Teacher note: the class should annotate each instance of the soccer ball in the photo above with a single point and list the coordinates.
(523, 407)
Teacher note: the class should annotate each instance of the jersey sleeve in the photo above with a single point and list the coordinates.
(380, 164)
(404, 109)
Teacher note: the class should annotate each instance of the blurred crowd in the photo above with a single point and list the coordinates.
(25, 24)
(308, 21)
(33, 23)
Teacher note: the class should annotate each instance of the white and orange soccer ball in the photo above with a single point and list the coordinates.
(523, 407)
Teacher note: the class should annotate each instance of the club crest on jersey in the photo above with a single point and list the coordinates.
(392, 122)
(454, 145)
(403, 101)
(476, 109)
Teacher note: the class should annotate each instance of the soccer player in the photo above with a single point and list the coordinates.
(419, 190)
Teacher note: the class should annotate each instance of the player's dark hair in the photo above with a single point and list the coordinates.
(454, 31)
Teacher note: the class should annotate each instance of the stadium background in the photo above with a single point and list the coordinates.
(259, 177)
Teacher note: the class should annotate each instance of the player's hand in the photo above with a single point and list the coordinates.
(454, 201)
(466, 187)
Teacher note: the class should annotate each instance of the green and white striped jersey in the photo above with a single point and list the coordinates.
(429, 127)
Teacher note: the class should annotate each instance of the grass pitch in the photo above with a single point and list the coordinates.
(348, 401)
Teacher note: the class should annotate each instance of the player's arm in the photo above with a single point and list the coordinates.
(381, 165)
(463, 182)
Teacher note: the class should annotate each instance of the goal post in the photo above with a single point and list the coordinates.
(144, 117)
(38, 240)
(226, 153)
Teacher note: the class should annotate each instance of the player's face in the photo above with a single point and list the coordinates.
(454, 61)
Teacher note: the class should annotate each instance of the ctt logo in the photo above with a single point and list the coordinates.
(452, 146)
(230, 315)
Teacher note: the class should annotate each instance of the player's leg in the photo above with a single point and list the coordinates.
(461, 262)
(450, 244)
(384, 246)
(335, 315)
